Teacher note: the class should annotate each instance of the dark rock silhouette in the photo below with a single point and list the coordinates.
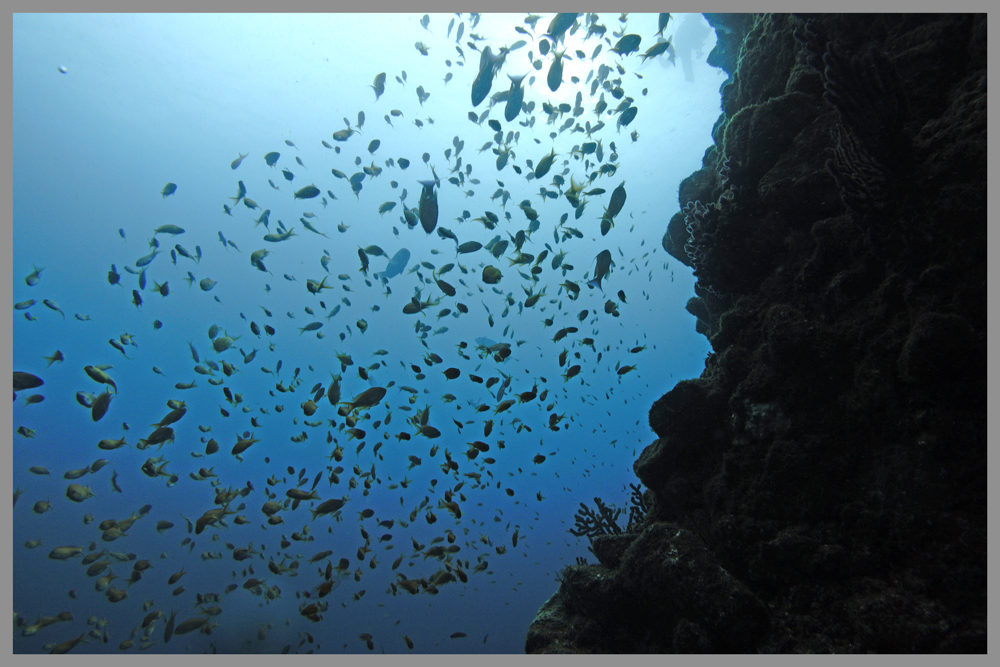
(822, 486)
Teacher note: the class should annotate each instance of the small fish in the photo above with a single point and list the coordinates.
(118, 346)
(617, 201)
(307, 192)
(379, 85)
(100, 406)
(364, 261)
(657, 49)
(168, 189)
(428, 204)
(78, 493)
(662, 20)
(169, 630)
(236, 163)
(308, 225)
(626, 45)
(491, 275)
(32, 278)
(239, 193)
(56, 356)
(554, 77)
(275, 238)
(515, 98)
(545, 164)
(173, 230)
(68, 645)
(603, 269)
(144, 261)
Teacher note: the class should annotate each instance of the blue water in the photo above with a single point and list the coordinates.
(147, 100)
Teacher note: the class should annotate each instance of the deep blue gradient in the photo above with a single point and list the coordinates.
(151, 99)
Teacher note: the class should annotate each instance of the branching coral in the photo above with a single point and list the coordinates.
(590, 523)
(638, 510)
(604, 521)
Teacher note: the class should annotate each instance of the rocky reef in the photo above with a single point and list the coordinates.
(822, 486)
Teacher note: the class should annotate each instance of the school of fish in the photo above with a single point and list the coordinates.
(344, 407)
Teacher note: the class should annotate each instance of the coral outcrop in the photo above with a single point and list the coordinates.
(822, 486)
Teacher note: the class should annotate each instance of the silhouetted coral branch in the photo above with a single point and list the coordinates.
(638, 510)
(590, 523)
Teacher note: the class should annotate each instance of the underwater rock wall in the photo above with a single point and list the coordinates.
(822, 486)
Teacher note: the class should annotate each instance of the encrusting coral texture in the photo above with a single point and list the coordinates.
(822, 486)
